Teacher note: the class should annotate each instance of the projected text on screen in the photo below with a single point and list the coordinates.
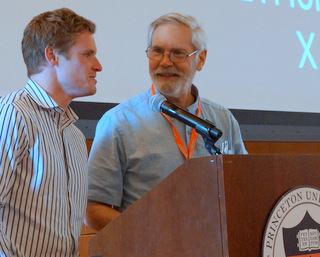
(306, 41)
(293, 3)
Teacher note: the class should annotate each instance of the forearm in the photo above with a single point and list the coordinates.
(98, 215)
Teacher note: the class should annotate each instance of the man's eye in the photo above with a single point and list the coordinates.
(157, 51)
(87, 54)
(178, 54)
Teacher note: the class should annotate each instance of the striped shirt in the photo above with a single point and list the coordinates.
(43, 176)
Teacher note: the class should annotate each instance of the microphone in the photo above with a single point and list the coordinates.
(205, 128)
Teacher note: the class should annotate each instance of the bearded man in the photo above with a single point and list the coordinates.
(134, 147)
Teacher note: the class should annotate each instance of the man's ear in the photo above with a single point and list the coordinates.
(201, 59)
(51, 55)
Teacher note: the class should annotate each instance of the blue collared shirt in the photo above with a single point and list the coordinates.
(134, 149)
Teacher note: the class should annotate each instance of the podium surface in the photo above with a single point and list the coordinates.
(210, 206)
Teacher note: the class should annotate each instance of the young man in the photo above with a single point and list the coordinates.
(135, 147)
(43, 163)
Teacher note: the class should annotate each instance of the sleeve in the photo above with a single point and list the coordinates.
(237, 142)
(13, 142)
(106, 163)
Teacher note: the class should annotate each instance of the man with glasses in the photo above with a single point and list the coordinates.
(134, 147)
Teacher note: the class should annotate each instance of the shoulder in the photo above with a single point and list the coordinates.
(217, 113)
(15, 102)
(20, 107)
(135, 104)
(13, 116)
(13, 97)
(211, 106)
(130, 113)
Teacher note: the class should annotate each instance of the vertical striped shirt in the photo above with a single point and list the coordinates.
(43, 176)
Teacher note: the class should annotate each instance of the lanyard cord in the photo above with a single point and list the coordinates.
(177, 138)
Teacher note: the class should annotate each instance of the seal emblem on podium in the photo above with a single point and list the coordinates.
(293, 227)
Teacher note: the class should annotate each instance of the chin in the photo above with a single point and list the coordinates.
(172, 90)
(92, 89)
(92, 92)
(88, 93)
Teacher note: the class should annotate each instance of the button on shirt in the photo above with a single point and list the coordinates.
(43, 176)
(134, 148)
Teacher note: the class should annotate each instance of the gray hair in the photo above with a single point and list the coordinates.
(199, 37)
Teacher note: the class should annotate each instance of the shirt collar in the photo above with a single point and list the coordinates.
(194, 91)
(43, 99)
(194, 107)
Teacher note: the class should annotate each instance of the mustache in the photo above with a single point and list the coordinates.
(169, 70)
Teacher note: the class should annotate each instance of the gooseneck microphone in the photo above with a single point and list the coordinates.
(205, 128)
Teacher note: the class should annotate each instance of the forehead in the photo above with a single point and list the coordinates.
(172, 35)
(84, 41)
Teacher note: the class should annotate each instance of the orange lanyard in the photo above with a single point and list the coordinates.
(177, 138)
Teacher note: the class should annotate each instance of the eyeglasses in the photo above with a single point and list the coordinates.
(157, 54)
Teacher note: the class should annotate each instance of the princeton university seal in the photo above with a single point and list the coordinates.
(293, 228)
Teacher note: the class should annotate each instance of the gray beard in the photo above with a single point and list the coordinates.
(174, 89)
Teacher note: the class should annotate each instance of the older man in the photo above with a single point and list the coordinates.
(135, 147)
(43, 163)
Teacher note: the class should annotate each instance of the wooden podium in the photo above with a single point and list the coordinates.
(211, 206)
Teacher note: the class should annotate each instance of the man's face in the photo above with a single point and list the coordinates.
(173, 79)
(76, 74)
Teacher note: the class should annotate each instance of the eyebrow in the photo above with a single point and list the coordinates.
(88, 51)
(172, 49)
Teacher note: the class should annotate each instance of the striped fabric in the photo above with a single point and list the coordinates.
(43, 176)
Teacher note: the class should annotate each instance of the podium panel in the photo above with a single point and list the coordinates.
(178, 217)
(253, 186)
(210, 206)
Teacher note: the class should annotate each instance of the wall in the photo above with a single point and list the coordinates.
(262, 55)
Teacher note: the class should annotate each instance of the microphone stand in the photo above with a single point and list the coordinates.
(209, 139)
(209, 136)
(209, 144)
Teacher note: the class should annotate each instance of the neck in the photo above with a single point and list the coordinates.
(183, 101)
(49, 84)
